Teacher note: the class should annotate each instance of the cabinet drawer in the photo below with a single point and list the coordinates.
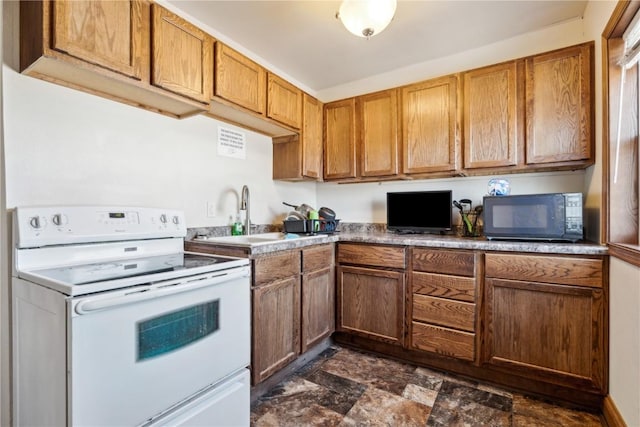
(317, 258)
(455, 314)
(445, 341)
(275, 267)
(380, 256)
(445, 286)
(546, 269)
(460, 263)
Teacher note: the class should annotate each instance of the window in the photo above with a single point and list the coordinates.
(621, 42)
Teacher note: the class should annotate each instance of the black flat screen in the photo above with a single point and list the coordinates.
(419, 211)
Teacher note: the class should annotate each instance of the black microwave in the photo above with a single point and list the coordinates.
(555, 216)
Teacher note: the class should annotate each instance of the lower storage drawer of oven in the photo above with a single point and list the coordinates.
(443, 341)
(224, 404)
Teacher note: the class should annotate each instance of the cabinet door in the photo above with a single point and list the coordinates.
(239, 80)
(284, 101)
(340, 139)
(311, 137)
(491, 116)
(182, 60)
(378, 130)
(111, 34)
(546, 331)
(276, 323)
(430, 126)
(560, 106)
(318, 306)
(371, 303)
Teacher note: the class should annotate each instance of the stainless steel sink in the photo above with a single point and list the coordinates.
(253, 239)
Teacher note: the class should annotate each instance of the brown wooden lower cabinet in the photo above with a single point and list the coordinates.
(276, 323)
(443, 313)
(371, 291)
(293, 306)
(318, 295)
(546, 331)
(533, 322)
(371, 303)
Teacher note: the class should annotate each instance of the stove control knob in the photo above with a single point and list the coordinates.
(163, 218)
(35, 222)
(59, 219)
(176, 220)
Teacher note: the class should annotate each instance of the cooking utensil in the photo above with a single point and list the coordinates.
(295, 216)
(326, 213)
(465, 218)
(304, 209)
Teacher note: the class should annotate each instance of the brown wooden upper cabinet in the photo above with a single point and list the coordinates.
(311, 137)
(106, 33)
(560, 106)
(377, 121)
(296, 159)
(182, 56)
(284, 101)
(239, 80)
(431, 126)
(491, 107)
(104, 48)
(361, 137)
(340, 139)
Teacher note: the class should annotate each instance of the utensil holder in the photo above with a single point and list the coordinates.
(474, 230)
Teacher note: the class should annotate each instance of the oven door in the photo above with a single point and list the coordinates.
(136, 353)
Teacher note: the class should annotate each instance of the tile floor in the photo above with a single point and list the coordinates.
(343, 387)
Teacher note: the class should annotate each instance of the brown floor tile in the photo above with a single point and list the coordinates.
(381, 408)
(297, 402)
(420, 394)
(533, 412)
(460, 405)
(384, 374)
(342, 393)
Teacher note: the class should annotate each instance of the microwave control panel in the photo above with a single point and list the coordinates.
(573, 212)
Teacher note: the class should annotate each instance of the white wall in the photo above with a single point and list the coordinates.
(624, 340)
(367, 202)
(4, 275)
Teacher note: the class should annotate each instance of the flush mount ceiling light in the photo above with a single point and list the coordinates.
(366, 18)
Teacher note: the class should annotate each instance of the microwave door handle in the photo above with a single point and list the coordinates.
(97, 303)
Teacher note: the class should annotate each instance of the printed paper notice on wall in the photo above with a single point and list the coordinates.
(231, 143)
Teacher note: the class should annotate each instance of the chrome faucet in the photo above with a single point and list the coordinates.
(245, 205)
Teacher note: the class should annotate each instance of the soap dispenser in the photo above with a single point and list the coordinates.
(236, 227)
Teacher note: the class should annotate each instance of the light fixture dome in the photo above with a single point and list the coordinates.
(366, 18)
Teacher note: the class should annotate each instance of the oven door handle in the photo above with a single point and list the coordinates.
(104, 302)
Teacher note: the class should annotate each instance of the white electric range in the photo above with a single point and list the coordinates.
(114, 324)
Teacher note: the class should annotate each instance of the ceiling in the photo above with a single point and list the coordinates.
(304, 39)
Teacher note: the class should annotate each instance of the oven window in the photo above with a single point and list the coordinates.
(172, 331)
